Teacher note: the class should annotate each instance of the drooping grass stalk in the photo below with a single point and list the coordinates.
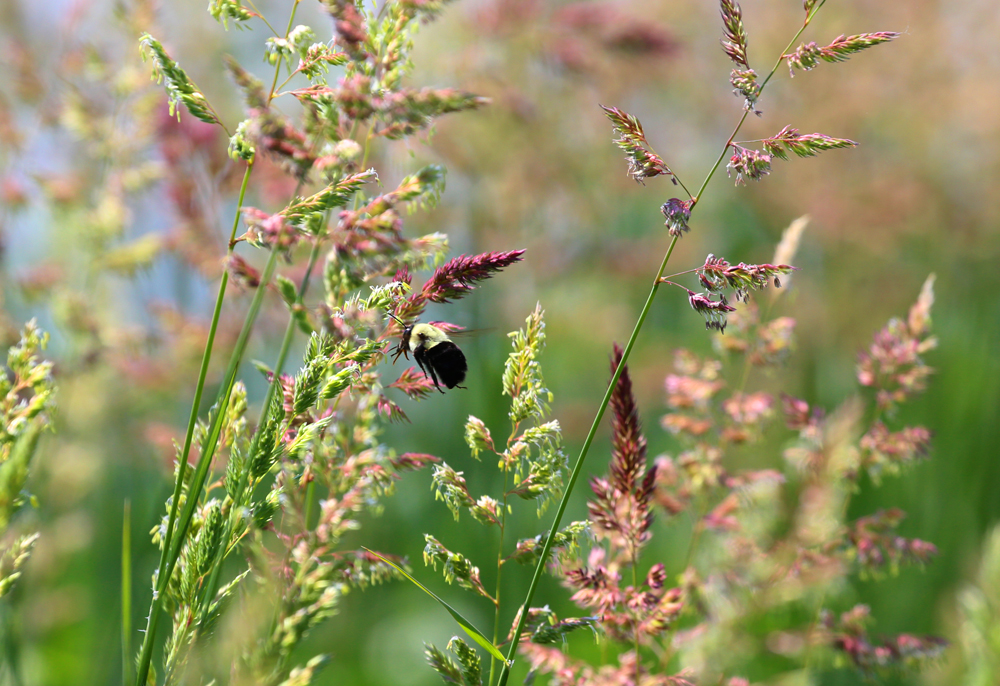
(546, 549)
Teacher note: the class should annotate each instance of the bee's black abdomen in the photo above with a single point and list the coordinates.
(446, 361)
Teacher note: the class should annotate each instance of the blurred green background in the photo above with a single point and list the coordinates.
(535, 170)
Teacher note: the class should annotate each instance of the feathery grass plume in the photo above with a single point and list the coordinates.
(242, 272)
(643, 163)
(408, 111)
(808, 55)
(27, 401)
(565, 544)
(454, 566)
(735, 43)
(677, 213)
(449, 670)
(303, 676)
(717, 275)
(888, 452)
(764, 343)
(317, 60)
(338, 194)
(803, 145)
(180, 88)
(621, 515)
(349, 24)
(787, 248)
(224, 10)
(874, 545)
(240, 146)
(270, 231)
(890, 656)
(979, 615)
(253, 90)
(546, 628)
(690, 393)
(12, 558)
(893, 364)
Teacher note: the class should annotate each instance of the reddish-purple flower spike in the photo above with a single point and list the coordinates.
(403, 275)
(408, 111)
(622, 500)
(458, 276)
(413, 461)
(628, 445)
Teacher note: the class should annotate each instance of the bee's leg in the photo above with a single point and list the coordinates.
(435, 378)
(428, 371)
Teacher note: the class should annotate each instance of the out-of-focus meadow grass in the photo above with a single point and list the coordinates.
(535, 170)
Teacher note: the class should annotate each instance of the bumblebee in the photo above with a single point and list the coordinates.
(438, 356)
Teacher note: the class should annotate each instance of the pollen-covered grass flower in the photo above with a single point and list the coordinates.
(717, 275)
(677, 212)
(745, 83)
(753, 164)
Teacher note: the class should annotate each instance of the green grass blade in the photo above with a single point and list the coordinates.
(474, 633)
(127, 594)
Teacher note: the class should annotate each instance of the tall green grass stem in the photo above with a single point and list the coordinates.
(127, 593)
(212, 586)
(155, 606)
(201, 470)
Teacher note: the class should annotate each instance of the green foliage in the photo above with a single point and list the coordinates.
(27, 400)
